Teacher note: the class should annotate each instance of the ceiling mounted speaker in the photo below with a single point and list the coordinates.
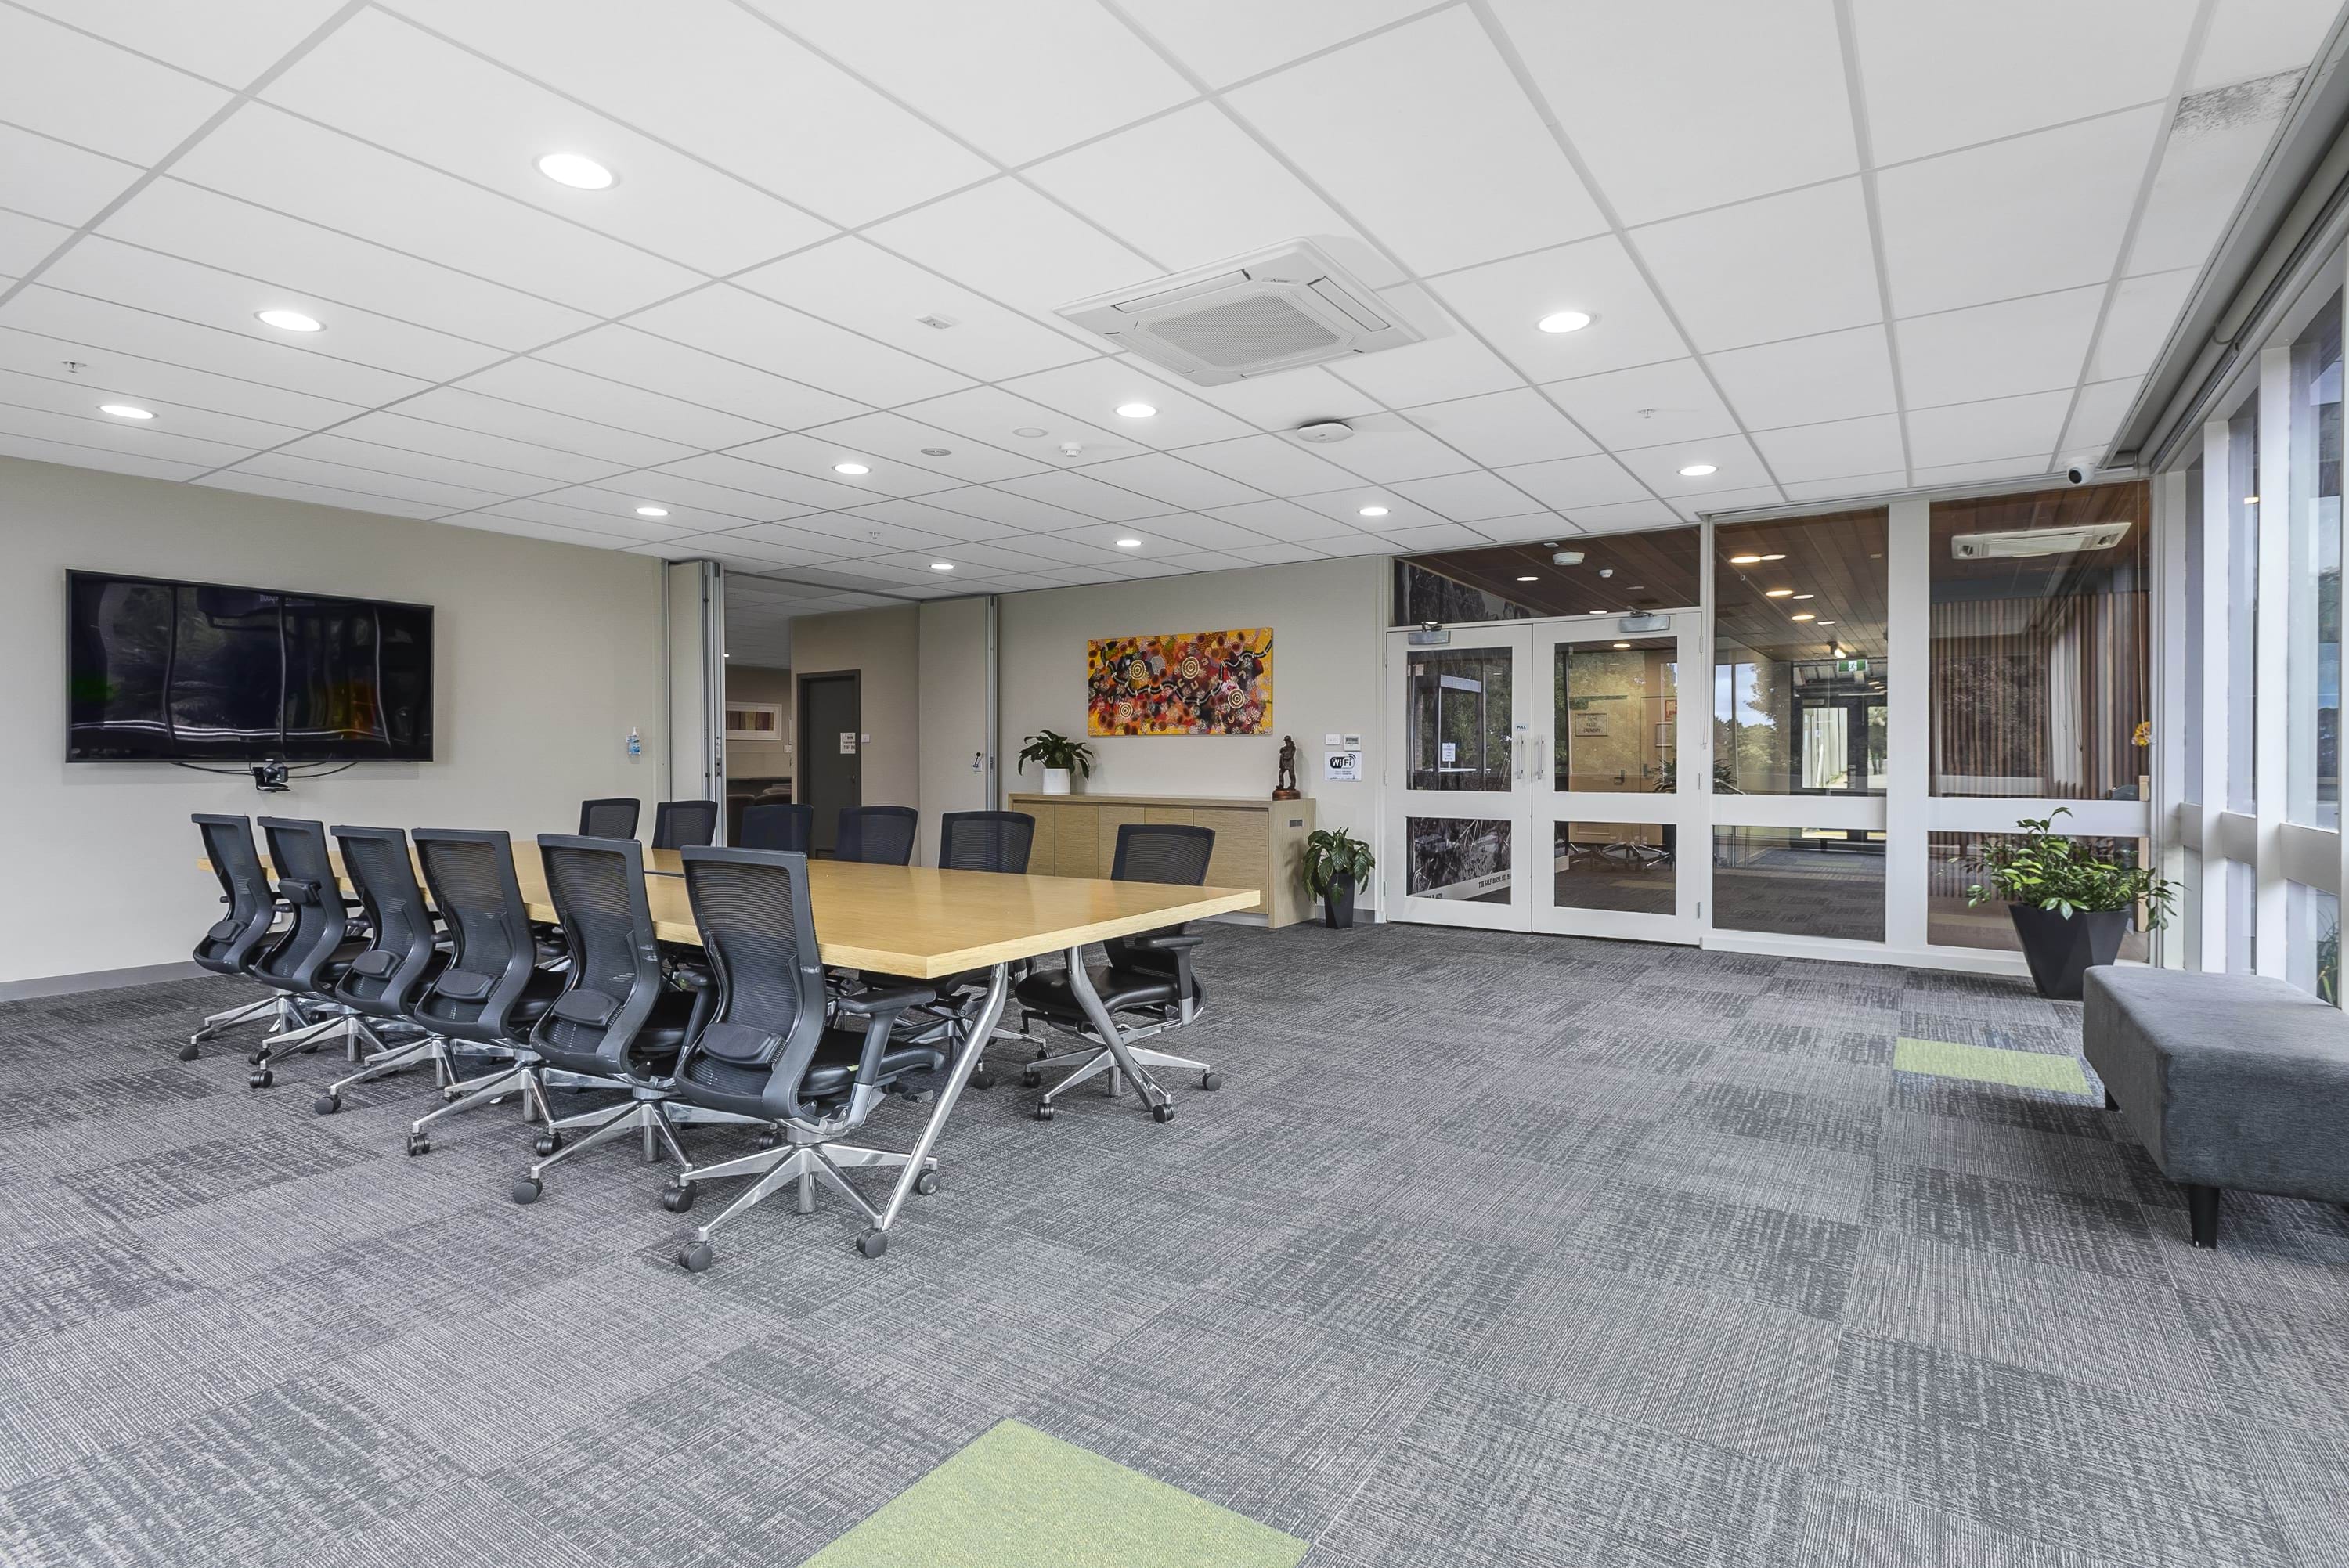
(1275, 310)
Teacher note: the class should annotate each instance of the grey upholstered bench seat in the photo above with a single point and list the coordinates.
(2230, 1081)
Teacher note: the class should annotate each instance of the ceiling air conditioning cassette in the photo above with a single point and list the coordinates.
(1273, 310)
(2037, 541)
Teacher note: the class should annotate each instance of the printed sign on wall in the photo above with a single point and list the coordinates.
(1192, 682)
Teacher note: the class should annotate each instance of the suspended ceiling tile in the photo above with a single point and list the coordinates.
(1646, 406)
(1807, 380)
(1503, 428)
(1758, 99)
(1783, 266)
(1838, 450)
(2002, 428)
(1391, 126)
(2018, 346)
(62, 83)
(56, 181)
(1506, 301)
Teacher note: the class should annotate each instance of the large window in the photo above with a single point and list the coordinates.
(2312, 793)
(1954, 864)
(2039, 618)
(2242, 605)
(1460, 719)
(2190, 786)
(1799, 881)
(1799, 700)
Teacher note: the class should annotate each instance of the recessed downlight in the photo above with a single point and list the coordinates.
(1135, 411)
(652, 511)
(1698, 471)
(1030, 431)
(577, 170)
(850, 468)
(288, 321)
(1826, 623)
(941, 565)
(1806, 615)
(1529, 577)
(1806, 595)
(1129, 544)
(1777, 592)
(1622, 645)
(1373, 511)
(1746, 561)
(125, 411)
(1564, 321)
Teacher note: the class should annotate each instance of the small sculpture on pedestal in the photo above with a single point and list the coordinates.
(1286, 787)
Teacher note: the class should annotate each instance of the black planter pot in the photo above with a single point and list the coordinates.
(2060, 952)
(1337, 904)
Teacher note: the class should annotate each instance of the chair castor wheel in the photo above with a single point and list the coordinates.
(262, 1079)
(872, 1244)
(1044, 1112)
(983, 1079)
(419, 1144)
(678, 1197)
(527, 1189)
(927, 1182)
(769, 1138)
(1211, 1079)
(546, 1144)
(694, 1256)
(328, 1103)
(1161, 1113)
(1031, 1078)
(256, 1059)
(189, 1051)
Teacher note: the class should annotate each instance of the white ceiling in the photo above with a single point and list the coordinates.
(1832, 247)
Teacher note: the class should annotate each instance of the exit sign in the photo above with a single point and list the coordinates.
(1851, 666)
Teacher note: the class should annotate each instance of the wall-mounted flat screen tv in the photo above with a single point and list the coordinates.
(160, 671)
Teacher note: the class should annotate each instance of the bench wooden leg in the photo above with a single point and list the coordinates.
(2202, 1210)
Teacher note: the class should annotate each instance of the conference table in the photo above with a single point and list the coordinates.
(928, 924)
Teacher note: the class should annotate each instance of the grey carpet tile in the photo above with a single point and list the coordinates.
(2054, 1459)
(1494, 1248)
(2108, 1237)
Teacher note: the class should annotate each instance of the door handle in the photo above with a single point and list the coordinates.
(1517, 755)
(1540, 769)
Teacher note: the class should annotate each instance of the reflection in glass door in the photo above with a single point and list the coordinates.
(1607, 809)
(1456, 828)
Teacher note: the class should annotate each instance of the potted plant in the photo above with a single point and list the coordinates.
(2070, 907)
(1056, 754)
(1336, 864)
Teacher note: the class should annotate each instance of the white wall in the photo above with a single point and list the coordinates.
(760, 759)
(1328, 622)
(545, 656)
(953, 718)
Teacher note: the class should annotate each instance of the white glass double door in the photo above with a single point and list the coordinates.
(1545, 778)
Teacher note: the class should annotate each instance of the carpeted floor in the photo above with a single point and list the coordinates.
(1494, 1249)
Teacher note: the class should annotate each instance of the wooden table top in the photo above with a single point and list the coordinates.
(919, 920)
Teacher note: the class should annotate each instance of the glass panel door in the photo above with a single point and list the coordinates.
(1461, 713)
(1611, 747)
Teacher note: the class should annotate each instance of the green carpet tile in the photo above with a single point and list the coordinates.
(1016, 1498)
(1988, 1064)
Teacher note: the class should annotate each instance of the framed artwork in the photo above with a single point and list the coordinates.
(754, 721)
(1185, 683)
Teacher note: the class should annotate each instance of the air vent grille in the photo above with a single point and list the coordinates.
(1281, 308)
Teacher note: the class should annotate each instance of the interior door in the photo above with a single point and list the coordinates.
(1460, 716)
(1619, 755)
(830, 752)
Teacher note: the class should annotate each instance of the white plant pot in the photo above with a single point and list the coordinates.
(1056, 780)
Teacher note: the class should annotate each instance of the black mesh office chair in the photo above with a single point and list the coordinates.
(306, 961)
(381, 983)
(778, 825)
(995, 842)
(986, 841)
(613, 817)
(236, 939)
(617, 1019)
(766, 1054)
(878, 835)
(491, 990)
(1148, 975)
(677, 823)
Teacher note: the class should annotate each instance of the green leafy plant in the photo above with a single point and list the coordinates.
(2055, 871)
(1051, 748)
(1332, 855)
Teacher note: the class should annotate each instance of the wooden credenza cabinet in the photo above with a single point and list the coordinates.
(1259, 844)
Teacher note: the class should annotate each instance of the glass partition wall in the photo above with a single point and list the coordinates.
(2250, 768)
(1892, 690)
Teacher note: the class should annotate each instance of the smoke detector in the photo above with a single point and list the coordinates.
(1325, 432)
(2024, 544)
(1273, 310)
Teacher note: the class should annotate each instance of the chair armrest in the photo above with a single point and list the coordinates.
(884, 1004)
(1168, 941)
(692, 976)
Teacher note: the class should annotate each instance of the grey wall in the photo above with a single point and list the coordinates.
(760, 759)
(884, 646)
(545, 656)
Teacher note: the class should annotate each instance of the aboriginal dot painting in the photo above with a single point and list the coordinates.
(1190, 683)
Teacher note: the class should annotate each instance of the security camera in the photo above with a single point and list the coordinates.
(2080, 474)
